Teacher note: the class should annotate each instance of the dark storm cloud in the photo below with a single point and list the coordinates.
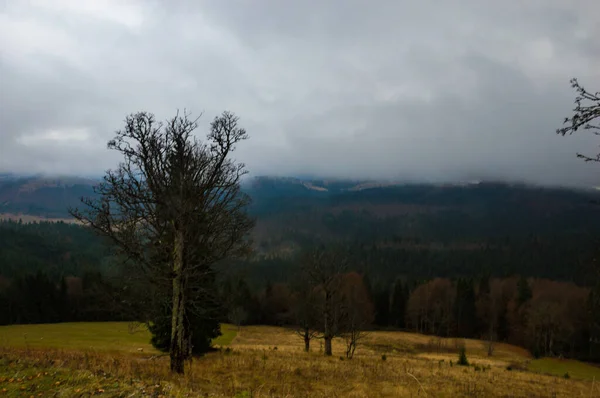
(424, 90)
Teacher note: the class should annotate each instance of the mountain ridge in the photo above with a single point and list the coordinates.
(50, 196)
(447, 228)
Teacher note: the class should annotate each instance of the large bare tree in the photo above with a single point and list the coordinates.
(174, 208)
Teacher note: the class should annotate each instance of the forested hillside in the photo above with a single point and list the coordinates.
(42, 196)
(432, 259)
(420, 231)
(424, 231)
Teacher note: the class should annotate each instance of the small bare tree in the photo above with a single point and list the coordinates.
(174, 208)
(358, 312)
(324, 269)
(490, 344)
(303, 311)
(306, 331)
(238, 316)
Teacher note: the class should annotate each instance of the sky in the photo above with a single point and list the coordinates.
(428, 90)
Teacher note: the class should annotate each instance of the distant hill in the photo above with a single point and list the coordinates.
(47, 197)
(417, 229)
(436, 212)
(497, 208)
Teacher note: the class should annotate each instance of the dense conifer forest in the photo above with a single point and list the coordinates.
(497, 262)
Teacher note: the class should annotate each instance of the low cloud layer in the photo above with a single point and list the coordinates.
(428, 90)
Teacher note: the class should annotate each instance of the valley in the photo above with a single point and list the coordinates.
(434, 262)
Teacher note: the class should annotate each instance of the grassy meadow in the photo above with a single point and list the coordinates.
(115, 359)
(121, 337)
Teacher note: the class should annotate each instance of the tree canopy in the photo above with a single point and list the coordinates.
(173, 208)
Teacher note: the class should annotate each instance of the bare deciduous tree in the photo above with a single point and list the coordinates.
(358, 312)
(304, 314)
(174, 208)
(585, 115)
(487, 311)
(238, 316)
(324, 268)
(430, 307)
(555, 313)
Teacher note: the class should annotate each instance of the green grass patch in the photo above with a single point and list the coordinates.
(104, 336)
(109, 336)
(560, 367)
(228, 333)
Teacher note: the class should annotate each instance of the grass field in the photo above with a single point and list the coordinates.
(562, 367)
(105, 336)
(91, 336)
(228, 333)
(103, 358)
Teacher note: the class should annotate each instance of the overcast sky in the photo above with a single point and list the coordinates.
(426, 90)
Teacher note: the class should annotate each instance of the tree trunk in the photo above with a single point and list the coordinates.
(353, 348)
(328, 327)
(490, 350)
(328, 350)
(491, 342)
(306, 340)
(178, 338)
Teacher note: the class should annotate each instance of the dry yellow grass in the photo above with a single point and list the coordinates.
(269, 362)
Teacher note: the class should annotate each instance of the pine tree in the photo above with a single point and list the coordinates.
(382, 306)
(524, 291)
(465, 310)
(483, 305)
(202, 330)
(368, 287)
(594, 316)
(398, 306)
(462, 357)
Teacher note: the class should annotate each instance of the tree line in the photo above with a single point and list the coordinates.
(550, 318)
(41, 298)
(327, 300)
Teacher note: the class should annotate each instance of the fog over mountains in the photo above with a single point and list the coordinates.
(410, 91)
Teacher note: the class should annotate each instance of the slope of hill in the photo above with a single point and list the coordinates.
(441, 213)
(42, 196)
(268, 361)
(417, 229)
(422, 230)
(51, 196)
(57, 248)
